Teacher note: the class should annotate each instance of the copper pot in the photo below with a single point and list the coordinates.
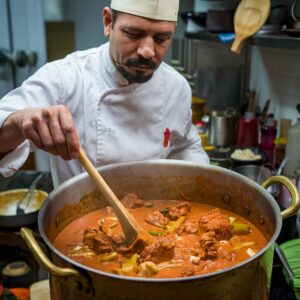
(162, 179)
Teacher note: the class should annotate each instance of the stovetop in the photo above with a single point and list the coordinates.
(279, 289)
(13, 247)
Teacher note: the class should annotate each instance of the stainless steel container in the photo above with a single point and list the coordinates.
(161, 179)
(223, 128)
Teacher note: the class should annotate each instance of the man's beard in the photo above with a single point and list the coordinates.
(136, 76)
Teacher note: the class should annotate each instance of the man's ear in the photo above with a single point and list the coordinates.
(107, 20)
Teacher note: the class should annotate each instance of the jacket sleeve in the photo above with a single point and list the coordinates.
(40, 90)
(189, 148)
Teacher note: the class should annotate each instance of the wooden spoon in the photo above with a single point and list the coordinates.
(132, 230)
(249, 17)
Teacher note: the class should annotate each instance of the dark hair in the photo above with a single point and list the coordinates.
(114, 15)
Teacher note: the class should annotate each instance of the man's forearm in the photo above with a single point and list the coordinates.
(10, 136)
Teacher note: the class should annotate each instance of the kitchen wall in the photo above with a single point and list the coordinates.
(216, 71)
(89, 30)
(6, 82)
(275, 75)
(27, 34)
(27, 25)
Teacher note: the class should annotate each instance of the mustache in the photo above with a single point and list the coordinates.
(140, 62)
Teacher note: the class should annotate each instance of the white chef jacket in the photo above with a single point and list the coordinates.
(116, 121)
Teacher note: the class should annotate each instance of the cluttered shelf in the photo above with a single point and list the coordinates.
(271, 40)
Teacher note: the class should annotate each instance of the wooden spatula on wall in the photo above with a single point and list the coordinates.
(249, 17)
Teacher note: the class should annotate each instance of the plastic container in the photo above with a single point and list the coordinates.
(247, 131)
(281, 141)
(292, 150)
(268, 136)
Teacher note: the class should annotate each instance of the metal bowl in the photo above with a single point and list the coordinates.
(8, 206)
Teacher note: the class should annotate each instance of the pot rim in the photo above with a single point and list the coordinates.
(251, 183)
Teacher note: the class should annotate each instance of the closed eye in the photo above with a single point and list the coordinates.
(162, 38)
(134, 34)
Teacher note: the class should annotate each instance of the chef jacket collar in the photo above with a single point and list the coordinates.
(111, 69)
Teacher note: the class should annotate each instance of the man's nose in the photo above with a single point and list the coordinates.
(146, 48)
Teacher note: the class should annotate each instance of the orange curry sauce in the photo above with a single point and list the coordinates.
(205, 239)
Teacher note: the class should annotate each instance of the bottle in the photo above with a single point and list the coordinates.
(281, 141)
(267, 145)
(197, 109)
(248, 131)
(292, 150)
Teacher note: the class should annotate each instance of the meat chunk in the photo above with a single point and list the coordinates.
(179, 210)
(88, 236)
(89, 232)
(190, 226)
(103, 239)
(106, 224)
(132, 201)
(162, 249)
(157, 219)
(102, 243)
(218, 223)
(117, 239)
(224, 253)
(208, 244)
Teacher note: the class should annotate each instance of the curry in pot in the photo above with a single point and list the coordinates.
(189, 238)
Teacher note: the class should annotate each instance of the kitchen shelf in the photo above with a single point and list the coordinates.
(276, 40)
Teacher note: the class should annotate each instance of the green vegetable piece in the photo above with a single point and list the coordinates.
(232, 219)
(130, 266)
(156, 233)
(242, 245)
(173, 226)
(240, 228)
(165, 210)
(108, 256)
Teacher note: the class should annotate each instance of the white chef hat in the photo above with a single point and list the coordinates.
(164, 10)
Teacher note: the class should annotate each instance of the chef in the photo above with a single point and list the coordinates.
(120, 101)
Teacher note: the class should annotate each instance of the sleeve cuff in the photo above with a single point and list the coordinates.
(15, 159)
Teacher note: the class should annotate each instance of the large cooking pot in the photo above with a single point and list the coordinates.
(162, 179)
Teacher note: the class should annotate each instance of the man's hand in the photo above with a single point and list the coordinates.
(51, 129)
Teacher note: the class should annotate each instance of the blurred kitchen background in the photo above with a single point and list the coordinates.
(261, 83)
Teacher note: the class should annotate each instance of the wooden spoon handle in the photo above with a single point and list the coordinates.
(238, 44)
(130, 226)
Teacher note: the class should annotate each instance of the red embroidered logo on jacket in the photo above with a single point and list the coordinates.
(166, 137)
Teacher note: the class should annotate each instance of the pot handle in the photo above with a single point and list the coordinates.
(293, 190)
(41, 257)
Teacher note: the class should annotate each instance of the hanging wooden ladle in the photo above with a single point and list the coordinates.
(132, 230)
(249, 17)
